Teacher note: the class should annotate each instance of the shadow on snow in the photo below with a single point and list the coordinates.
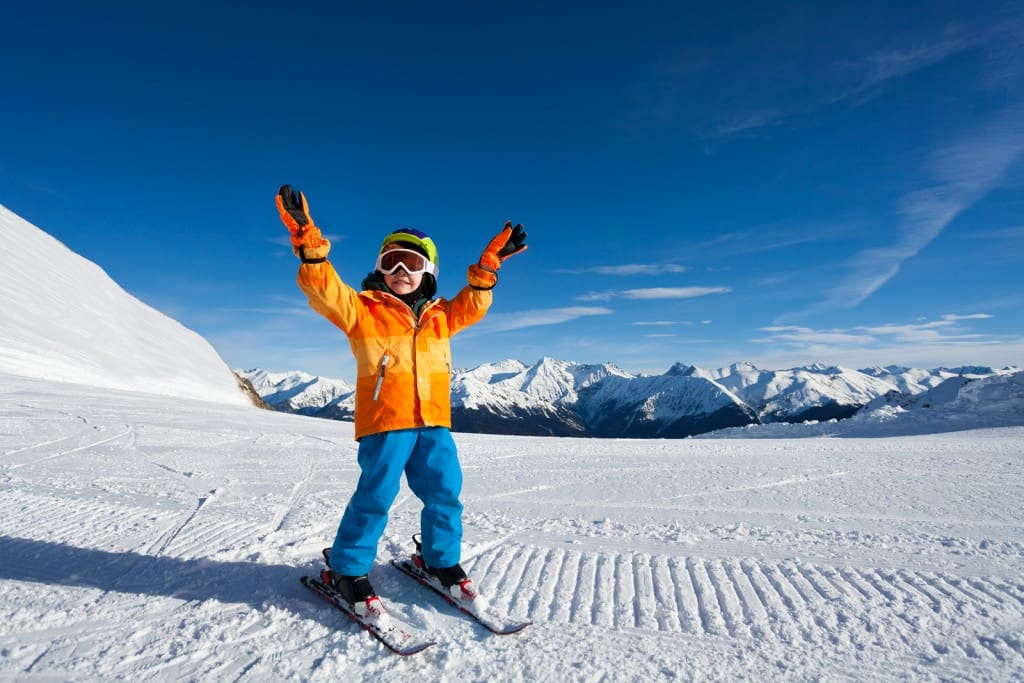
(59, 564)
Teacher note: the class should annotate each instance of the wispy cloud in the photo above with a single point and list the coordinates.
(748, 121)
(627, 269)
(653, 293)
(944, 340)
(886, 65)
(858, 80)
(964, 172)
(662, 323)
(1014, 233)
(938, 331)
(503, 322)
(1003, 67)
(283, 239)
(972, 316)
(304, 311)
(772, 236)
(791, 334)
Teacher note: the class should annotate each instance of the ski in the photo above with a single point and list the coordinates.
(392, 633)
(470, 602)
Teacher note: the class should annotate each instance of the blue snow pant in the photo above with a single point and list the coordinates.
(428, 457)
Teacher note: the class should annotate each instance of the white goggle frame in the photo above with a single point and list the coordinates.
(412, 262)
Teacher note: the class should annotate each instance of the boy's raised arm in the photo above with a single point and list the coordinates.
(328, 295)
(470, 304)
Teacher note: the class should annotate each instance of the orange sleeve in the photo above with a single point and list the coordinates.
(329, 296)
(467, 308)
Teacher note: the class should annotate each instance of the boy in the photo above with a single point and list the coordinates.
(399, 335)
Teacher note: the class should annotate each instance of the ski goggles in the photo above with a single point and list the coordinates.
(408, 260)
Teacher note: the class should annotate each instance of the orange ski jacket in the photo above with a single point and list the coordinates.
(403, 364)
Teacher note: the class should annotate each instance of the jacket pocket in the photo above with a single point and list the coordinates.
(381, 371)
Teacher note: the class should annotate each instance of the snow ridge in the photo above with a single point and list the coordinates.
(63, 319)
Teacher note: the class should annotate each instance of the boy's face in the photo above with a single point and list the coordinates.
(401, 282)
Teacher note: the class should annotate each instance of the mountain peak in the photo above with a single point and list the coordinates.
(970, 370)
(681, 369)
(742, 366)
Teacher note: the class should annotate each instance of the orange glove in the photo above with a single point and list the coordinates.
(506, 244)
(307, 242)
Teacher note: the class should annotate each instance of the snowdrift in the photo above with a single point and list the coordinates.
(63, 319)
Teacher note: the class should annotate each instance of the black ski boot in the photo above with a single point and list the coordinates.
(448, 576)
(453, 579)
(355, 589)
(352, 588)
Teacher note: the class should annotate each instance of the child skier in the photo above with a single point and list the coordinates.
(399, 335)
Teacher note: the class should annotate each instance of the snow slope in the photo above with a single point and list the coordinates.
(147, 538)
(64, 319)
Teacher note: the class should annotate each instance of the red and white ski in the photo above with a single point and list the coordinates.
(373, 617)
(464, 597)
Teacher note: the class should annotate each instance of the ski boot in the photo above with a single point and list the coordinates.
(453, 579)
(357, 590)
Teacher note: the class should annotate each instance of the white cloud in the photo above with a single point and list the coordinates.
(628, 269)
(503, 322)
(1016, 232)
(929, 332)
(965, 172)
(653, 293)
(748, 121)
(789, 334)
(886, 65)
(935, 342)
(972, 316)
(859, 80)
(996, 353)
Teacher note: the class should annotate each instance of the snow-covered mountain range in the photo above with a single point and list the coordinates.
(303, 394)
(564, 398)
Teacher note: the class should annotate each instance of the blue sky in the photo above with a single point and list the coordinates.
(782, 183)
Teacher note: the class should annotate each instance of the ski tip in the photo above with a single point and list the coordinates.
(513, 629)
(413, 650)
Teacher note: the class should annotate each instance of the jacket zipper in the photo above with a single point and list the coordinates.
(387, 357)
(380, 375)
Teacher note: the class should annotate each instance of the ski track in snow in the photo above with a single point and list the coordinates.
(160, 539)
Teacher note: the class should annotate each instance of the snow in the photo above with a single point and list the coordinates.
(64, 319)
(146, 535)
(150, 538)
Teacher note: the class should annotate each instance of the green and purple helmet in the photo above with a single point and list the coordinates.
(413, 239)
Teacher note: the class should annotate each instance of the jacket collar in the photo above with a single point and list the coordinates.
(389, 299)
